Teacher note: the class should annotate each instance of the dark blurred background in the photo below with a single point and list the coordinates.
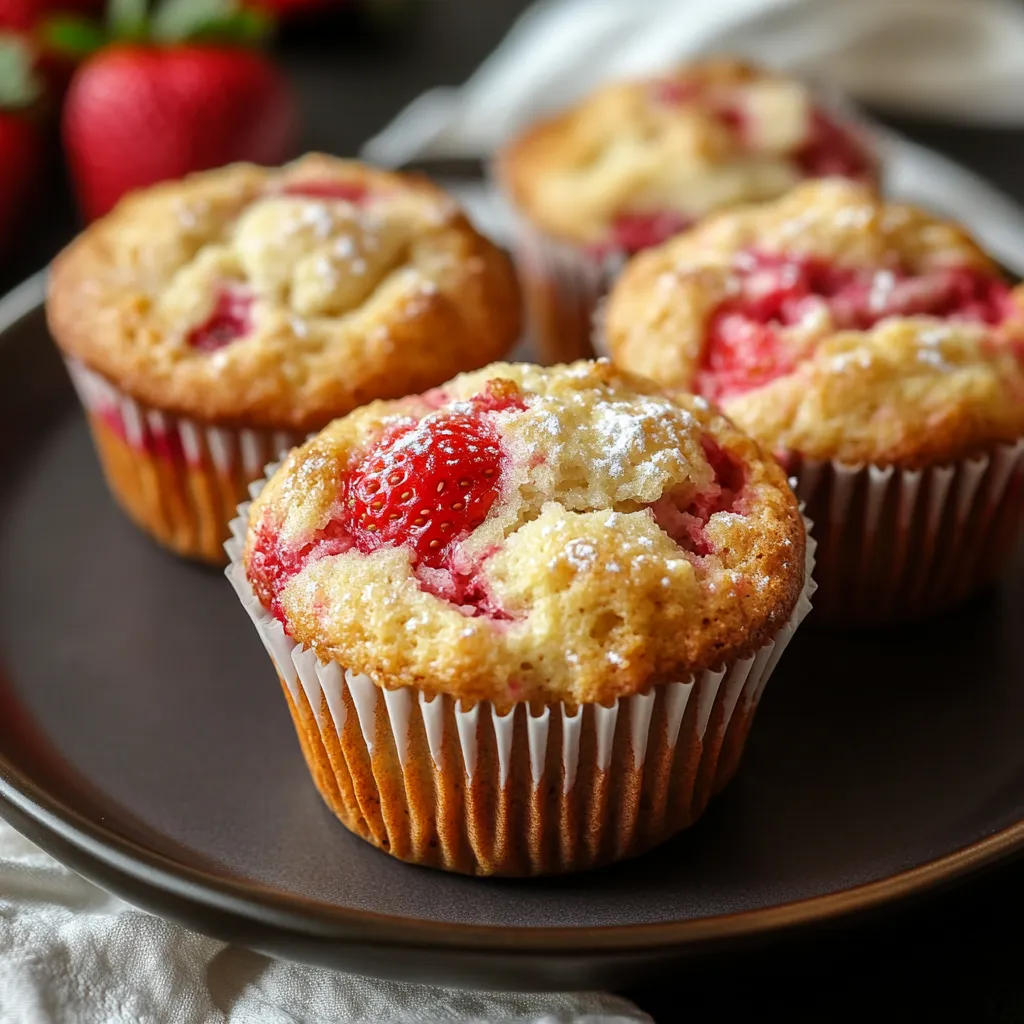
(956, 954)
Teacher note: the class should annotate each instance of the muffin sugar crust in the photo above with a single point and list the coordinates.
(833, 325)
(281, 298)
(529, 534)
(638, 161)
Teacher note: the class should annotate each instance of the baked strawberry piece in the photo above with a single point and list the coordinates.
(428, 484)
(229, 319)
(777, 295)
(844, 331)
(564, 539)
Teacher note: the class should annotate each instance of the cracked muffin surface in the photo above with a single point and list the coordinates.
(524, 533)
(282, 297)
(834, 325)
(637, 161)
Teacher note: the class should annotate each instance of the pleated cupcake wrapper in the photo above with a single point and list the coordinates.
(178, 478)
(562, 285)
(598, 333)
(896, 543)
(469, 789)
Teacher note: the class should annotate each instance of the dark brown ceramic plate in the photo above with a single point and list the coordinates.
(143, 739)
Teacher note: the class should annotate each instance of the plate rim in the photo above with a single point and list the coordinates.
(249, 903)
(252, 904)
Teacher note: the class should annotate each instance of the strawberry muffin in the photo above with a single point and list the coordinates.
(211, 323)
(639, 161)
(879, 353)
(523, 621)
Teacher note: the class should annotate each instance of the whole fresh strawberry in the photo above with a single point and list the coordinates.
(20, 145)
(161, 96)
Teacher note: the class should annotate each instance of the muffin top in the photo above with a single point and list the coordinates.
(283, 297)
(529, 534)
(637, 162)
(833, 325)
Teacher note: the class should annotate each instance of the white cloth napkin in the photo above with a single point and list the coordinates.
(70, 953)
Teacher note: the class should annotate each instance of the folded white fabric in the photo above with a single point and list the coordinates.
(72, 954)
(961, 59)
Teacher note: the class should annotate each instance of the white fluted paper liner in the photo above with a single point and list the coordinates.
(146, 428)
(474, 790)
(178, 478)
(895, 543)
(562, 286)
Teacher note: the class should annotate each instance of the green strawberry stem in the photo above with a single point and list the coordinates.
(227, 22)
(72, 36)
(19, 85)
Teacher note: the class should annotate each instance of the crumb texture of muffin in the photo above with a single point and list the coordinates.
(527, 534)
(280, 298)
(638, 161)
(832, 325)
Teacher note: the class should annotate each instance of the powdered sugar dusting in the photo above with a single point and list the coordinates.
(933, 357)
(580, 554)
(326, 248)
(590, 448)
(844, 361)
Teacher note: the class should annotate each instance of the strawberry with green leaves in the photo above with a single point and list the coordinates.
(20, 144)
(166, 93)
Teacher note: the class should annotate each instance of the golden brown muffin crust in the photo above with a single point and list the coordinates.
(597, 599)
(380, 294)
(907, 390)
(708, 135)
